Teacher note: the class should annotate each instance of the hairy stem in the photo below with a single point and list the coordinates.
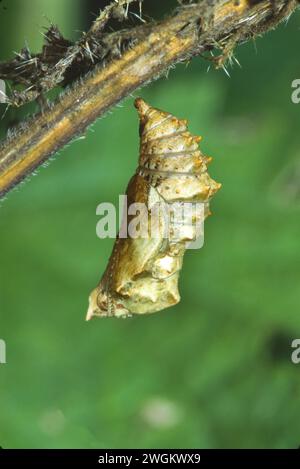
(194, 29)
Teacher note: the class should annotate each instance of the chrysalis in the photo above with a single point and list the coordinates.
(143, 271)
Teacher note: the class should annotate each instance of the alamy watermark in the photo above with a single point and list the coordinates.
(3, 97)
(2, 352)
(177, 221)
(295, 96)
(295, 356)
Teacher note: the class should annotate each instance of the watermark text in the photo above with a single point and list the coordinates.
(295, 96)
(295, 357)
(3, 97)
(177, 221)
(2, 352)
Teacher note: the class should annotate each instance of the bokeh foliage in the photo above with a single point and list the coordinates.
(216, 368)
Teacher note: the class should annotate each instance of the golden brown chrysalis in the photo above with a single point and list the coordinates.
(142, 273)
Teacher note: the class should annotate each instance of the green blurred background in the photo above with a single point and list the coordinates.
(214, 371)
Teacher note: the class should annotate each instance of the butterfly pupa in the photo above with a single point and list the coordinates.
(142, 273)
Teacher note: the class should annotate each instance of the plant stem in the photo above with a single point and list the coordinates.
(193, 30)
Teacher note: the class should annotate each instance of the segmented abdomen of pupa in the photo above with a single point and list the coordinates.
(170, 158)
(142, 274)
